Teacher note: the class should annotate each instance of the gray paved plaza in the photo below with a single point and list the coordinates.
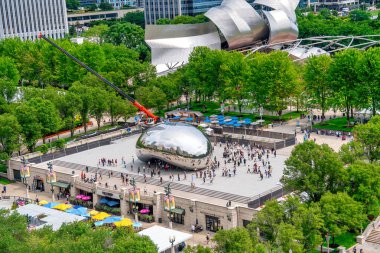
(244, 184)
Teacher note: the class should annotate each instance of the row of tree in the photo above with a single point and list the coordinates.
(326, 23)
(345, 81)
(39, 64)
(75, 237)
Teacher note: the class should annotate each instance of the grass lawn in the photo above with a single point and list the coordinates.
(374, 13)
(346, 240)
(337, 124)
(4, 181)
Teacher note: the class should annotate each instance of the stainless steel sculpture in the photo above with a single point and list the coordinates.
(178, 144)
(280, 26)
(174, 43)
(235, 22)
(239, 23)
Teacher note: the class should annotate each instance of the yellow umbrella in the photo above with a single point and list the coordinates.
(93, 212)
(43, 202)
(62, 207)
(100, 216)
(123, 223)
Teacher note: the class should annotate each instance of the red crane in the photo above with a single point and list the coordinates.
(120, 91)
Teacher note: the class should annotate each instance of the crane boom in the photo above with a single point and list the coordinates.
(120, 91)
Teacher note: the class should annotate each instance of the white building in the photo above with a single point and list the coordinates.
(27, 18)
(117, 4)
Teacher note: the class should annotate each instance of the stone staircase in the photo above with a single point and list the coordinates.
(374, 236)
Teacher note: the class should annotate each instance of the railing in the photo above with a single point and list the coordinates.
(274, 193)
(80, 147)
(373, 225)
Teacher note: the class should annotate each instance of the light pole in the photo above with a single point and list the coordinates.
(169, 204)
(172, 240)
(51, 178)
(25, 174)
(134, 197)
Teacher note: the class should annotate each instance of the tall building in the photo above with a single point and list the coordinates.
(27, 18)
(330, 4)
(157, 9)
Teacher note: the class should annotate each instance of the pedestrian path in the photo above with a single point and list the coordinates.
(154, 181)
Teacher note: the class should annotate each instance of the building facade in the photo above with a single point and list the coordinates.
(330, 4)
(117, 4)
(85, 3)
(27, 18)
(157, 9)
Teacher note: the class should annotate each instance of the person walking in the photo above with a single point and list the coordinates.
(208, 238)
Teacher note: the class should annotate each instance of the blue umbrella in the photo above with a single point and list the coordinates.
(112, 219)
(51, 204)
(237, 125)
(207, 121)
(103, 201)
(189, 119)
(176, 117)
(234, 118)
(112, 203)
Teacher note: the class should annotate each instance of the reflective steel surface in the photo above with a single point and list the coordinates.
(280, 26)
(178, 144)
(174, 43)
(287, 6)
(234, 21)
(239, 23)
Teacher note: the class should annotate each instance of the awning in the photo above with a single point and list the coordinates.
(179, 211)
(61, 184)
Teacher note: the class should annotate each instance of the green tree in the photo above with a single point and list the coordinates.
(69, 106)
(359, 15)
(314, 169)
(368, 135)
(273, 80)
(351, 152)
(105, 6)
(316, 78)
(9, 77)
(96, 31)
(31, 126)
(135, 17)
(233, 74)
(100, 104)
(344, 73)
(197, 249)
(130, 35)
(72, 4)
(85, 95)
(120, 108)
(10, 131)
(370, 78)
(47, 115)
(267, 220)
(308, 220)
(288, 237)
(151, 97)
(341, 213)
(234, 240)
(12, 230)
(364, 185)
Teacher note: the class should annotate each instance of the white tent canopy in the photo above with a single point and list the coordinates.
(160, 236)
(52, 217)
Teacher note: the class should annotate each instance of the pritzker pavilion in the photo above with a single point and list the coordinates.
(234, 24)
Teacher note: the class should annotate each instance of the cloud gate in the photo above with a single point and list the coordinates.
(234, 24)
(178, 144)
